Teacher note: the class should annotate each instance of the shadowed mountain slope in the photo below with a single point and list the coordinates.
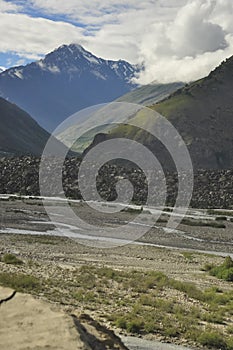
(202, 112)
(19, 133)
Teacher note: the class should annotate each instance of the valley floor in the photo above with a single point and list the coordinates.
(156, 293)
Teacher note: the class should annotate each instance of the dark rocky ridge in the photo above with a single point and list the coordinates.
(202, 113)
(212, 189)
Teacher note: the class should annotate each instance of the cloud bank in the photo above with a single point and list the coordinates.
(175, 40)
(191, 45)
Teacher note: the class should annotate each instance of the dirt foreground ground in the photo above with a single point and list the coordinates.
(107, 284)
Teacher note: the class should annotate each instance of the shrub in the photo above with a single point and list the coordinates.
(150, 327)
(188, 255)
(106, 272)
(212, 340)
(228, 262)
(134, 326)
(132, 210)
(224, 271)
(11, 259)
(219, 212)
(230, 344)
(83, 296)
(171, 332)
(207, 267)
(221, 218)
(162, 220)
(19, 282)
(121, 323)
(210, 223)
(189, 288)
(213, 317)
(230, 329)
(216, 297)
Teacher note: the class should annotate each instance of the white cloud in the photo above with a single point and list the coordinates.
(119, 22)
(126, 35)
(191, 45)
(6, 6)
(223, 14)
(175, 39)
(95, 12)
(192, 33)
(31, 37)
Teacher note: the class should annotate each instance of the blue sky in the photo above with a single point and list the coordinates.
(175, 39)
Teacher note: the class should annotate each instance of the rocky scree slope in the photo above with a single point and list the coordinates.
(212, 189)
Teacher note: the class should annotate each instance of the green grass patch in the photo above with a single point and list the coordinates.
(11, 259)
(138, 302)
(19, 282)
(200, 223)
(219, 212)
(171, 105)
(47, 240)
(224, 271)
(188, 256)
(212, 339)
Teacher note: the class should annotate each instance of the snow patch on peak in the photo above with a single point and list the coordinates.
(41, 64)
(18, 73)
(123, 69)
(50, 68)
(72, 48)
(117, 68)
(73, 70)
(91, 59)
(77, 46)
(15, 73)
(114, 66)
(99, 75)
(53, 69)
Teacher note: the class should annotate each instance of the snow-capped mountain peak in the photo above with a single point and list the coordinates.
(66, 80)
(73, 58)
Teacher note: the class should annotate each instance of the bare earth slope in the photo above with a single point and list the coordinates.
(30, 323)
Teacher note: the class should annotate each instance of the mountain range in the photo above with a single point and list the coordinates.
(201, 111)
(64, 82)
